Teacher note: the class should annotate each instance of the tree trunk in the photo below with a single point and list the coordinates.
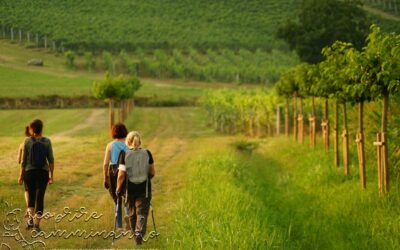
(278, 120)
(111, 113)
(336, 131)
(287, 118)
(327, 123)
(121, 111)
(360, 142)
(385, 161)
(295, 117)
(345, 141)
(301, 122)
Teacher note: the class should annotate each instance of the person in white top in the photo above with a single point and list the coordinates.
(136, 170)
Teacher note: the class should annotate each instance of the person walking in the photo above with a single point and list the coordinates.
(19, 160)
(110, 169)
(136, 171)
(37, 170)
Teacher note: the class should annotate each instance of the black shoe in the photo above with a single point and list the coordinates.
(138, 240)
(29, 223)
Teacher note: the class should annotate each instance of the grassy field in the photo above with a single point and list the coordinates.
(207, 193)
(19, 80)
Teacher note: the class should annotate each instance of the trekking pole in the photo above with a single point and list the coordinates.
(154, 223)
(115, 223)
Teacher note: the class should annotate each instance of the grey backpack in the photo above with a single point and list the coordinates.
(137, 165)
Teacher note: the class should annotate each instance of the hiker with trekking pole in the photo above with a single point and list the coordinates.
(37, 169)
(114, 150)
(136, 169)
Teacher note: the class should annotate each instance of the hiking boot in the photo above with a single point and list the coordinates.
(138, 240)
(29, 223)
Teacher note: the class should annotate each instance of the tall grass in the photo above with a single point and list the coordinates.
(283, 196)
(217, 210)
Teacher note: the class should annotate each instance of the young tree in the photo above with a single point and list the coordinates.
(286, 94)
(360, 93)
(313, 76)
(301, 79)
(107, 91)
(126, 89)
(288, 86)
(90, 61)
(116, 89)
(380, 72)
(70, 59)
(335, 64)
(321, 88)
(109, 63)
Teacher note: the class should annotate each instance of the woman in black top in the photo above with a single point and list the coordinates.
(36, 171)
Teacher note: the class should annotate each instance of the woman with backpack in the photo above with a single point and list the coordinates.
(110, 169)
(136, 170)
(37, 170)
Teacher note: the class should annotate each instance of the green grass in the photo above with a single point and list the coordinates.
(207, 194)
(24, 83)
(17, 83)
(285, 196)
(13, 122)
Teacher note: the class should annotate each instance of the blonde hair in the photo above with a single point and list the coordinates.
(133, 139)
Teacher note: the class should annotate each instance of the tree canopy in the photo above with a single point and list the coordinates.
(322, 22)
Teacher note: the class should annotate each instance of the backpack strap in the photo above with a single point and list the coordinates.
(31, 151)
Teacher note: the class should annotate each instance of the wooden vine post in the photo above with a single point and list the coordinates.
(360, 144)
(336, 135)
(303, 89)
(310, 88)
(287, 117)
(313, 124)
(325, 126)
(300, 121)
(345, 138)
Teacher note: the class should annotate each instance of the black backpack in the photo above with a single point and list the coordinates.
(38, 153)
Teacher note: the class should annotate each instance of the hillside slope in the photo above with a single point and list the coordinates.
(129, 24)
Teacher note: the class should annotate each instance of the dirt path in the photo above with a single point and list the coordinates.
(381, 13)
(94, 117)
(170, 133)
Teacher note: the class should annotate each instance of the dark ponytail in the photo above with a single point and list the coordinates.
(27, 133)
